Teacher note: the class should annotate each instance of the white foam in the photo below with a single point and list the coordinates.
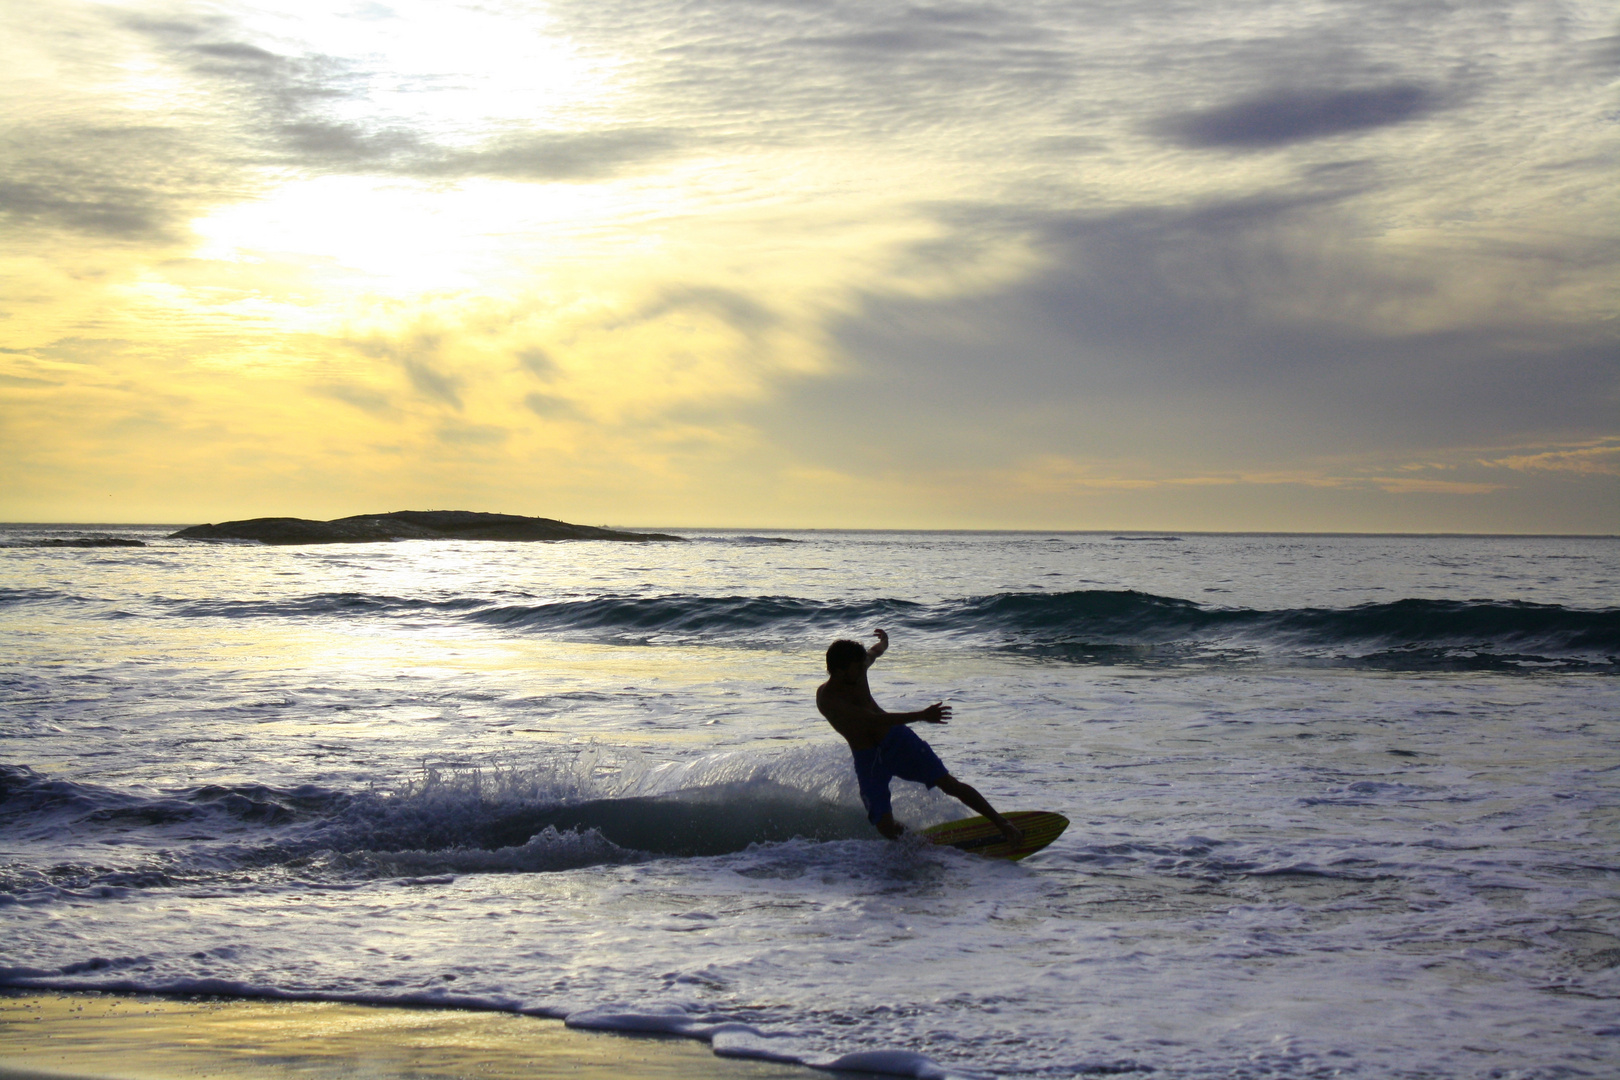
(893, 1062)
(733, 1038)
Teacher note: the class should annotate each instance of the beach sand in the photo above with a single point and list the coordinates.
(118, 1037)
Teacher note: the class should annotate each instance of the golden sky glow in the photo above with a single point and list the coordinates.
(1241, 265)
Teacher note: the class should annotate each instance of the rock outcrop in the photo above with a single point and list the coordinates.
(407, 525)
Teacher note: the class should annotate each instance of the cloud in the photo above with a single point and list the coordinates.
(943, 33)
(1056, 476)
(549, 406)
(543, 156)
(84, 155)
(364, 398)
(472, 434)
(537, 362)
(1282, 117)
(1228, 333)
(417, 355)
(433, 383)
(581, 155)
(100, 209)
(124, 183)
(783, 73)
(346, 146)
(238, 55)
(736, 309)
(1604, 55)
(1599, 460)
(1409, 485)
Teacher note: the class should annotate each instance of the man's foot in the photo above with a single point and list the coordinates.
(1010, 832)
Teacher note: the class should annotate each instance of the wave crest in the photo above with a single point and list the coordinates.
(1097, 626)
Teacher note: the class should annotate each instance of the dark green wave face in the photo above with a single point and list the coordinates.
(1081, 627)
(716, 820)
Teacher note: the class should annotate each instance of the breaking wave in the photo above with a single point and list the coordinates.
(572, 809)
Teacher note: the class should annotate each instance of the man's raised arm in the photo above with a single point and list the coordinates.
(875, 651)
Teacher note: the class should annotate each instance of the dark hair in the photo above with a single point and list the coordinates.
(842, 653)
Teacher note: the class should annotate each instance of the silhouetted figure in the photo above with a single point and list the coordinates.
(883, 746)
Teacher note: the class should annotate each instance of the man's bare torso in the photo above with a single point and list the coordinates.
(851, 710)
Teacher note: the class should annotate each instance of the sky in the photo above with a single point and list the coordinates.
(1089, 264)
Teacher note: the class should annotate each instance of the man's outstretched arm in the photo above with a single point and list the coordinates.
(877, 724)
(881, 721)
(866, 724)
(937, 713)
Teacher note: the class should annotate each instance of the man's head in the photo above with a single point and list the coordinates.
(842, 653)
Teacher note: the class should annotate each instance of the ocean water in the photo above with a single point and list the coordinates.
(1341, 806)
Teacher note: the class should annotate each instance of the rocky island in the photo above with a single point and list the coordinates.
(408, 525)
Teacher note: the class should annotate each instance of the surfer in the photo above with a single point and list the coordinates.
(883, 746)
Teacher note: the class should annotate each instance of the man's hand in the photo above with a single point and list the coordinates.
(937, 713)
(875, 651)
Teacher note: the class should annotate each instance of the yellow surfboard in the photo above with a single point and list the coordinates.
(977, 835)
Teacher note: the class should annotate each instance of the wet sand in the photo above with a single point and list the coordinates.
(119, 1037)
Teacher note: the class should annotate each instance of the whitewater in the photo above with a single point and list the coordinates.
(1342, 806)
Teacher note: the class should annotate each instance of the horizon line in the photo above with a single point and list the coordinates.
(1166, 533)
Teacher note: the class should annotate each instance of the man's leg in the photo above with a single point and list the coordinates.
(873, 778)
(953, 787)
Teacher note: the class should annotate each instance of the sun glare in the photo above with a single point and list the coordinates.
(406, 237)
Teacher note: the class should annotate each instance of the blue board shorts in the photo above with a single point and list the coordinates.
(901, 753)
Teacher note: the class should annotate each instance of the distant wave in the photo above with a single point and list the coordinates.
(76, 542)
(1411, 633)
(747, 541)
(8, 597)
(1090, 626)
